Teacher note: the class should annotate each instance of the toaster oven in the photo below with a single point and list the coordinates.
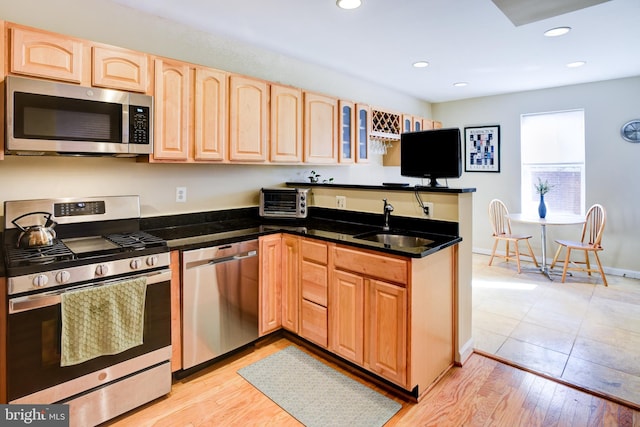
(284, 202)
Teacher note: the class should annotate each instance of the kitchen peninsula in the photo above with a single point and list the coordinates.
(392, 311)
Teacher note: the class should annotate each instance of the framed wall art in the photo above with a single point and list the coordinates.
(482, 149)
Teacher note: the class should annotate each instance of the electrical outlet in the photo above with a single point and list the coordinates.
(341, 202)
(428, 209)
(181, 194)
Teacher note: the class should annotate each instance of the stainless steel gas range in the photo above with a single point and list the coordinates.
(92, 249)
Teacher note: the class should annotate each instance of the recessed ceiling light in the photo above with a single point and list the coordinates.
(576, 64)
(558, 31)
(460, 84)
(421, 64)
(348, 4)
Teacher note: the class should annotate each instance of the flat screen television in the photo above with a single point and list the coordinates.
(431, 154)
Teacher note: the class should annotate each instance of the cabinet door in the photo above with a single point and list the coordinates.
(407, 123)
(248, 126)
(347, 132)
(121, 69)
(363, 126)
(320, 129)
(270, 274)
(171, 99)
(386, 330)
(313, 322)
(427, 124)
(346, 316)
(417, 124)
(210, 115)
(47, 55)
(286, 124)
(290, 282)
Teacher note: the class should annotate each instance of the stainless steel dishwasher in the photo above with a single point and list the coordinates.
(220, 300)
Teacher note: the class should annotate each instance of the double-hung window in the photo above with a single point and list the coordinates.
(552, 150)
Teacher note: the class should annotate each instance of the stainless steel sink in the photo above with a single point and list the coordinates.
(394, 239)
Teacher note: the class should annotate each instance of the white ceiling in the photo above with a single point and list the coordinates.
(463, 40)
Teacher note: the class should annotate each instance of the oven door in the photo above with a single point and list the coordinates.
(33, 334)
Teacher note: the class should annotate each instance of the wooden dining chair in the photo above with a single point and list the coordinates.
(502, 232)
(591, 241)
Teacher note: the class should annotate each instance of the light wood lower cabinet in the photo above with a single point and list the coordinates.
(314, 286)
(385, 311)
(367, 314)
(176, 312)
(346, 323)
(269, 295)
(391, 315)
(290, 282)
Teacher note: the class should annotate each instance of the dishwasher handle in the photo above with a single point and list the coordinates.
(237, 257)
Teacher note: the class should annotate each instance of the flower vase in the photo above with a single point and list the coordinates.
(542, 208)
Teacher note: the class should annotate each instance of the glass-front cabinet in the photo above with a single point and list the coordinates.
(347, 132)
(363, 126)
(407, 123)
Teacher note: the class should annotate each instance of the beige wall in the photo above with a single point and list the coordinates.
(612, 171)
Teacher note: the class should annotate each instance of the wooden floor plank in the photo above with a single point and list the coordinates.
(484, 392)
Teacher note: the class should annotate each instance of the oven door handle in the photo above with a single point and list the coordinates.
(32, 302)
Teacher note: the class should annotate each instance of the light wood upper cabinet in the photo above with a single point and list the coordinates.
(347, 125)
(407, 123)
(362, 128)
(172, 110)
(47, 55)
(210, 115)
(286, 124)
(248, 115)
(320, 128)
(121, 69)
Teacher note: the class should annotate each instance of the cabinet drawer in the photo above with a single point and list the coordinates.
(314, 323)
(315, 279)
(379, 266)
(315, 251)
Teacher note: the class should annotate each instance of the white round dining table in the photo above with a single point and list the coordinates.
(550, 219)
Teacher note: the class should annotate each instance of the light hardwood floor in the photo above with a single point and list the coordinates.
(482, 393)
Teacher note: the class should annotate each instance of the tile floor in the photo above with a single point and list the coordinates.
(579, 331)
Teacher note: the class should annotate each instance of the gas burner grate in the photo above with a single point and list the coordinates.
(38, 255)
(136, 240)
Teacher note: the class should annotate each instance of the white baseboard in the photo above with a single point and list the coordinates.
(608, 270)
(465, 352)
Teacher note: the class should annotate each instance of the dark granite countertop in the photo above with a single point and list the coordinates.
(397, 186)
(199, 230)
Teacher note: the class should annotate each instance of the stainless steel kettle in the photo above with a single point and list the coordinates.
(36, 235)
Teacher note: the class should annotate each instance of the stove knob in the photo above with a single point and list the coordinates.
(63, 277)
(102, 269)
(135, 264)
(152, 261)
(40, 280)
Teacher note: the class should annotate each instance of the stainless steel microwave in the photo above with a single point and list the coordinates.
(284, 202)
(44, 117)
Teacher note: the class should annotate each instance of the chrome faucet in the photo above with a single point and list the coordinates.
(387, 213)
